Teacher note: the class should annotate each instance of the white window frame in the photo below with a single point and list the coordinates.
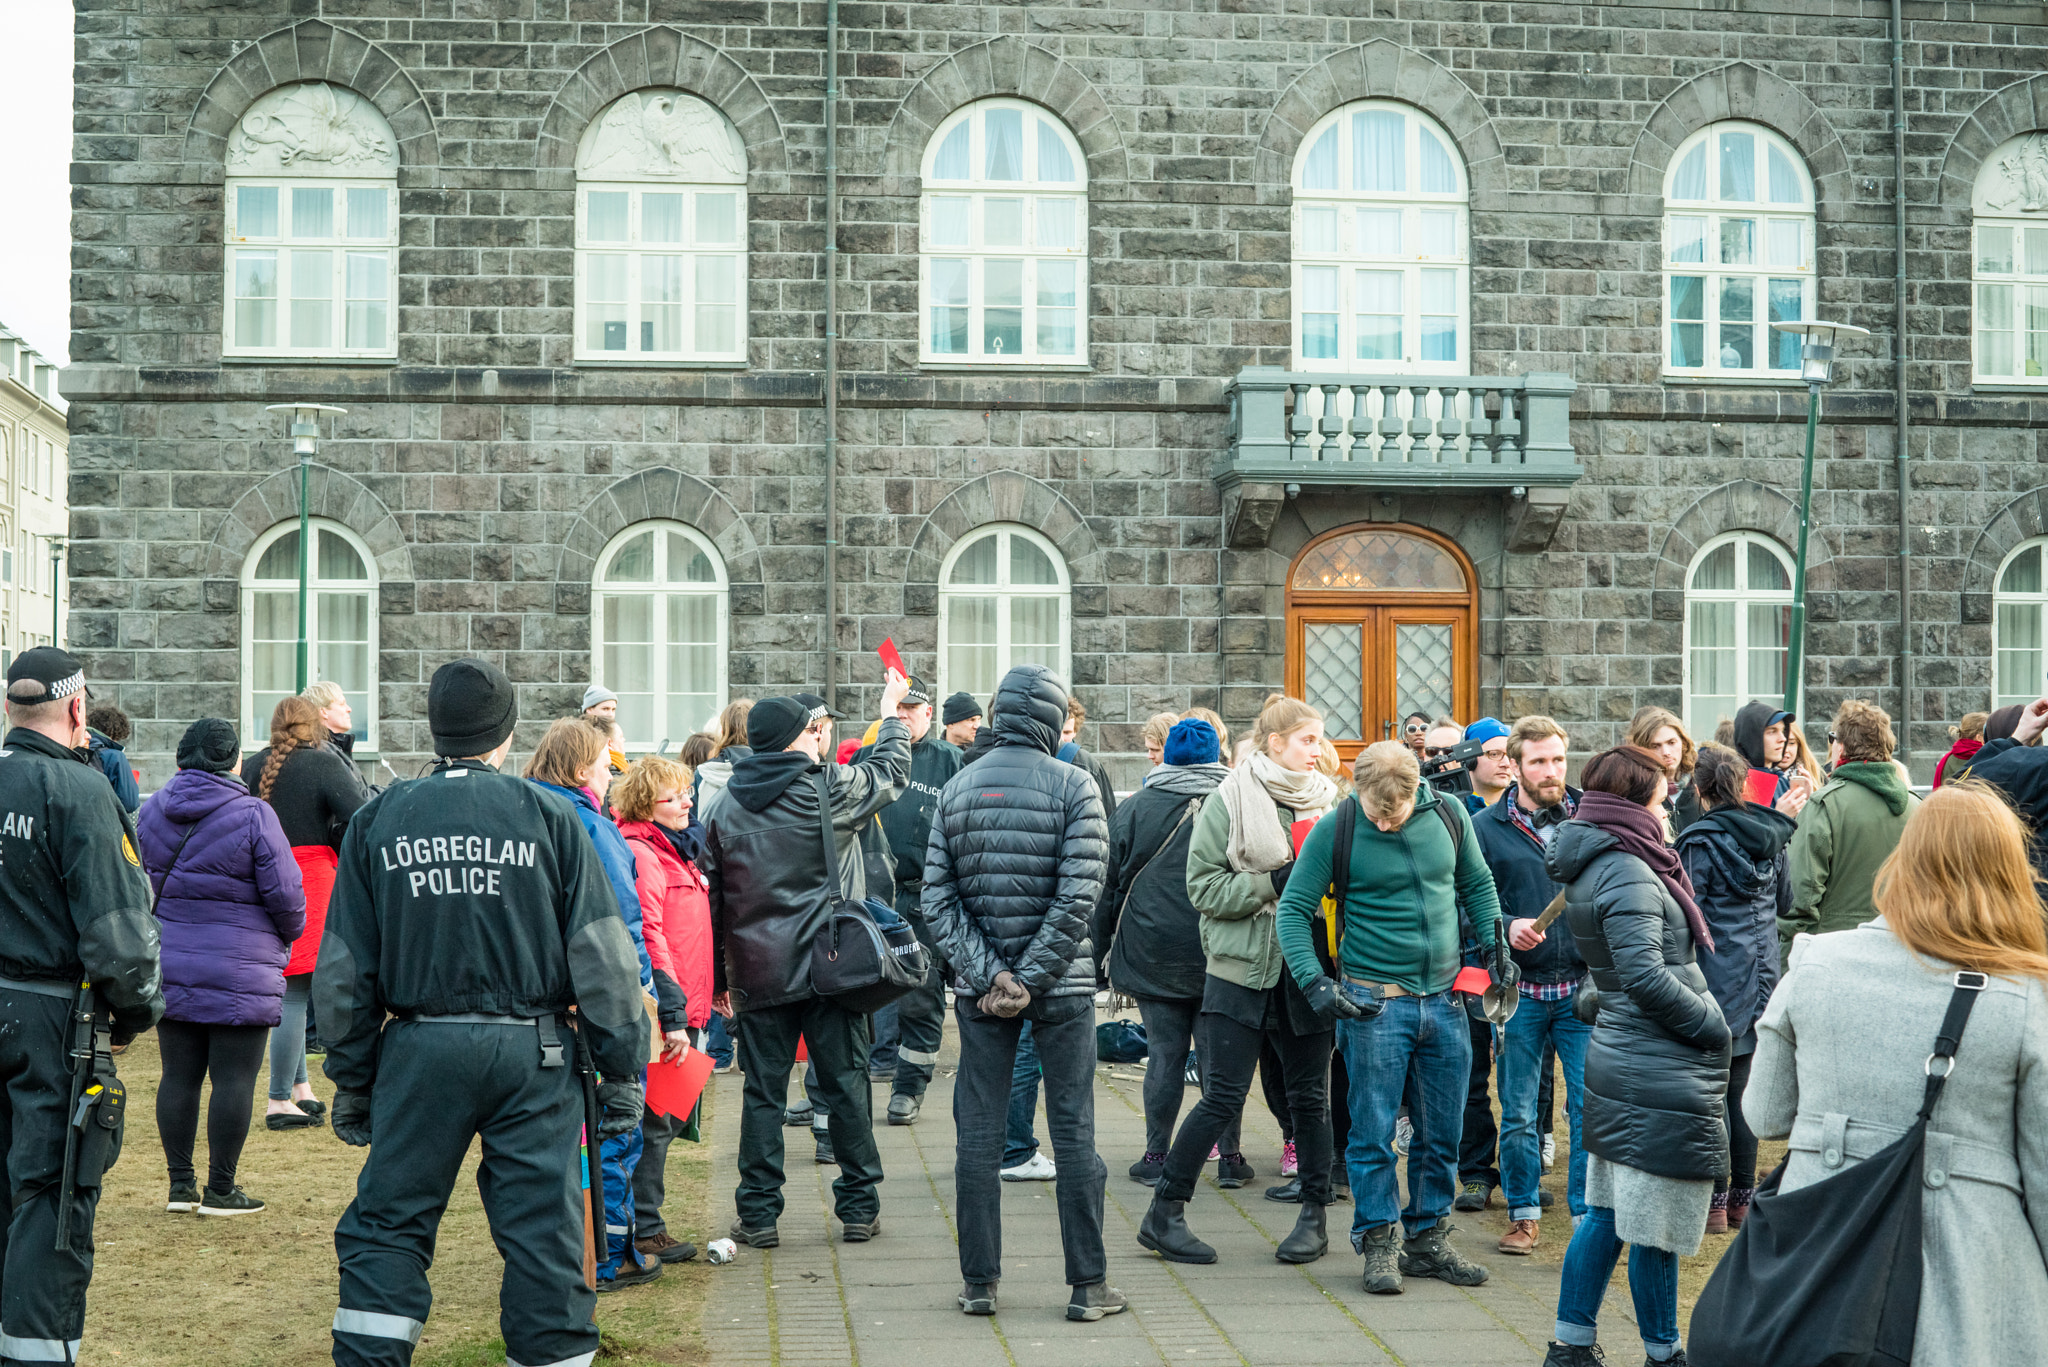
(1771, 219)
(976, 190)
(2009, 265)
(2037, 600)
(1005, 593)
(660, 588)
(339, 247)
(1743, 597)
(1346, 205)
(256, 728)
(636, 253)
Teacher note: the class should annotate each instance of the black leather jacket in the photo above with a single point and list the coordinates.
(1657, 1065)
(1018, 852)
(765, 869)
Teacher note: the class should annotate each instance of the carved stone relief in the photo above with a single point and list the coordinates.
(312, 129)
(2014, 179)
(662, 133)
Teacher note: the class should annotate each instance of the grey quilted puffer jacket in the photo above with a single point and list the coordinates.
(1018, 851)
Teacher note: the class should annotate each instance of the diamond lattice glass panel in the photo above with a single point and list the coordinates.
(1422, 668)
(1332, 674)
(1379, 560)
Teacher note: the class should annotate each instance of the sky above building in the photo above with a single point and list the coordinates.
(35, 158)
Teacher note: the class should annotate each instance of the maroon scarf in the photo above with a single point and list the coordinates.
(1642, 835)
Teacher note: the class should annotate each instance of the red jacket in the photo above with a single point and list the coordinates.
(675, 914)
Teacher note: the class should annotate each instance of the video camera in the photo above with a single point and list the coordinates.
(1451, 774)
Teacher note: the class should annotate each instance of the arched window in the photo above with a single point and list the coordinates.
(312, 227)
(2016, 627)
(1004, 599)
(1738, 627)
(341, 624)
(658, 631)
(2010, 208)
(1738, 253)
(661, 232)
(1003, 275)
(1381, 246)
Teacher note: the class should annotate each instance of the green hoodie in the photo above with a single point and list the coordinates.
(1845, 832)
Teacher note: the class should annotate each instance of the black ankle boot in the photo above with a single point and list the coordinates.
(1165, 1231)
(1310, 1239)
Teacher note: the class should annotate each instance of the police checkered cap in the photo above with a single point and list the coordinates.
(45, 674)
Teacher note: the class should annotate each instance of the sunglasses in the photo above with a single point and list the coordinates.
(1418, 730)
(1831, 738)
(1433, 751)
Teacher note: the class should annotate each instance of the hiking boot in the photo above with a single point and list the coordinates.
(1521, 1238)
(765, 1237)
(1148, 1170)
(234, 1202)
(1717, 1220)
(824, 1156)
(859, 1232)
(904, 1108)
(630, 1274)
(1290, 1161)
(1092, 1300)
(1165, 1231)
(1383, 1260)
(664, 1247)
(1310, 1239)
(1473, 1196)
(1677, 1359)
(978, 1298)
(1574, 1355)
(184, 1198)
(1429, 1254)
(1233, 1172)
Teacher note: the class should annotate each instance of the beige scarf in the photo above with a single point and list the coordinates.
(1258, 842)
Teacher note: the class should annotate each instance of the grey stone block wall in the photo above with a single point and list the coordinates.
(485, 468)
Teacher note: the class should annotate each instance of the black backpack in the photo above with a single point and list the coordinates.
(1331, 941)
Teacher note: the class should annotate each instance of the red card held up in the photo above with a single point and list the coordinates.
(673, 1088)
(1762, 786)
(1473, 980)
(1300, 831)
(890, 659)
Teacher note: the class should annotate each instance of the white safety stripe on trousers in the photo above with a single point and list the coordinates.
(582, 1361)
(372, 1325)
(915, 1056)
(616, 1229)
(37, 1350)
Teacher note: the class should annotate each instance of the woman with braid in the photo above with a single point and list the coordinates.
(315, 790)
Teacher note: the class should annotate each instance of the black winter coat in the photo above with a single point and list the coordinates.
(1742, 879)
(1145, 924)
(315, 793)
(1018, 847)
(1657, 1065)
(2021, 773)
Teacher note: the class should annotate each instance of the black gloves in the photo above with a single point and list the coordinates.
(350, 1117)
(1280, 877)
(1328, 1001)
(622, 1103)
(1505, 970)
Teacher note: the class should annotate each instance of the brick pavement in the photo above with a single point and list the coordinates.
(814, 1300)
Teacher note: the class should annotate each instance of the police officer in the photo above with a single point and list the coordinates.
(74, 907)
(907, 823)
(471, 908)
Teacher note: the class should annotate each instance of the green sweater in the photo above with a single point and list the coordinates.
(1401, 913)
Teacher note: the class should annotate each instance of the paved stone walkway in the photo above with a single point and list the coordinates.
(815, 1300)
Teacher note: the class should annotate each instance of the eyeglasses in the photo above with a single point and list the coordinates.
(1491, 753)
(664, 801)
(1432, 751)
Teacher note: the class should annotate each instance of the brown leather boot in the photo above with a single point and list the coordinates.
(1521, 1238)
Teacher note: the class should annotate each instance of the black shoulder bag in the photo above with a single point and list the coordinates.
(1829, 1275)
(865, 955)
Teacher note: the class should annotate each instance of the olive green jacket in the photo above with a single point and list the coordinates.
(1845, 831)
(1237, 908)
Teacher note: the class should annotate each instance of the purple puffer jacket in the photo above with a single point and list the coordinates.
(233, 904)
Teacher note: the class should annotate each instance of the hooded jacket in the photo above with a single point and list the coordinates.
(1657, 1062)
(764, 862)
(1515, 859)
(231, 904)
(1146, 933)
(1016, 860)
(617, 862)
(1845, 832)
(712, 776)
(1751, 721)
(1742, 878)
(675, 923)
(113, 762)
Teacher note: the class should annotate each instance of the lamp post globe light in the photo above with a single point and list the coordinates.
(306, 444)
(1816, 367)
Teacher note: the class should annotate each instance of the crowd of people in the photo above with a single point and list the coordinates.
(1696, 944)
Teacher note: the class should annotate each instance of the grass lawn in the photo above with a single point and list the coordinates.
(260, 1290)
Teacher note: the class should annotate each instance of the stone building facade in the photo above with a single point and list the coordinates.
(489, 460)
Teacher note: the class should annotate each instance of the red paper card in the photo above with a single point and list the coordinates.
(1300, 832)
(1473, 980)
(890, 659)
(1762, 786)
(673, 1088)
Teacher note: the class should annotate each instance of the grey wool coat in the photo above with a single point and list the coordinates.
(1840, 1070)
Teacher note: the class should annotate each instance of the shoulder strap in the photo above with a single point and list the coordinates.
(1968, 986)
(1450, 820)
(1340, 872)
(175, 856)
(1194, 804)
(832, 870)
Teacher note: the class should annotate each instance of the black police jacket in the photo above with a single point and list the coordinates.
(1018, 852)
(764, 863)
(74, 901)
(473, 891)
(907, 822)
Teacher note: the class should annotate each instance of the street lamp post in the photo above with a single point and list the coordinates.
(305, 445)
(56, 586)
(1816, 367)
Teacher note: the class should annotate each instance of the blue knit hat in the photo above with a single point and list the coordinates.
(1485, 729)
(1191, 742)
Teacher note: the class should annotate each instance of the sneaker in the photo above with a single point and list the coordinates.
(235, 1202)
(1215, 1152)
(1148, 1170)
(630, 1274)
(1094, 1300)
(799, 1115)
(664, 1247)
(1404, 1135)
(765, 1237)
(1290, 1166)
(1382, 1250)
(858, 1232)
(978, 1298)
(1036, 1168)
(1193, 1073)
(1233, 1172)
(724, 1067)
(316, 1045)
(825, 1156)
(184, 1198)
(1475, 1195)
(1521, 1238)
(1549, 1152)
(1574, 1355)
(904, 1108)
(1429, 1254)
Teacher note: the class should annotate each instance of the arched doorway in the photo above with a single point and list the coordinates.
(1382, 621)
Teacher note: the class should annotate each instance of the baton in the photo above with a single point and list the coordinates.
(82, 1012)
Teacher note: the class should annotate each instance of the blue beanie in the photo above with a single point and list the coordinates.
(1191, 742)
(1485, 729)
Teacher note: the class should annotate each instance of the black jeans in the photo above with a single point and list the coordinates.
(232, 1054)
(838, 1044)
(1230, 1052)
(1169, 1032)
(981, 1102)
(1741, 1138)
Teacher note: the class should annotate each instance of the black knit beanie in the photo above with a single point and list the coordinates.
(471, 708)
(959, 708)
(210, 744)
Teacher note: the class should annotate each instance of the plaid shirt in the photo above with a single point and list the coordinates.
(1541, 992)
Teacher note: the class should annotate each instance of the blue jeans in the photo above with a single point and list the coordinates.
(1589, 1266)
(1429, 1036)
(718, 1040)
(887, 1034)
(1019, 1143)
(1521, 1074)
